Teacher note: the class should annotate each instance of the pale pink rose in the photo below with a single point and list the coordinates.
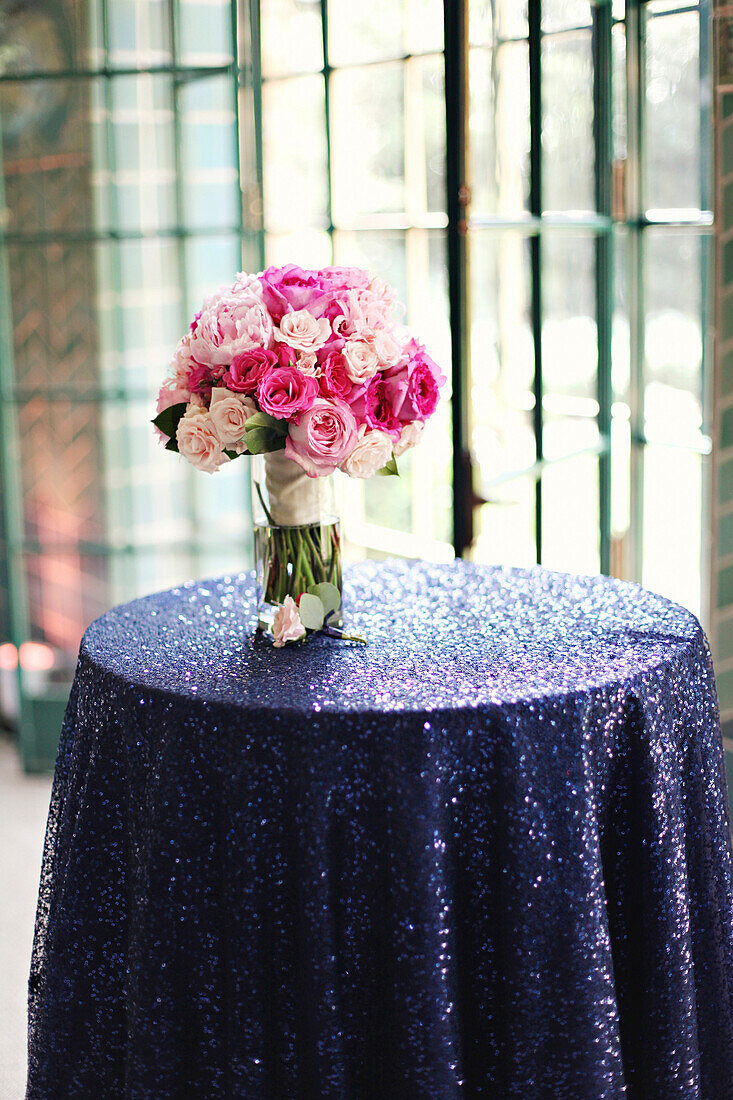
(302, 331)
(387, 348)
(361, 360)
(286, 625)
(386, 295)
(364, 313)
(285, 391)
(372, 451)
(409, 437)
(230, 324)
(307, 363)
(229, 413)
(321, 438)
(198, 441)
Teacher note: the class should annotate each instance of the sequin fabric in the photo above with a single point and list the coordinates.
(486, 856)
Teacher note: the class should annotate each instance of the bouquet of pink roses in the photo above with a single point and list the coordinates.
(311, 364)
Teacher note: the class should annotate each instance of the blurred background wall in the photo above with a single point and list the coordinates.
(535, 181)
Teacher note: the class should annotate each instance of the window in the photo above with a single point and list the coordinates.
(533, 179)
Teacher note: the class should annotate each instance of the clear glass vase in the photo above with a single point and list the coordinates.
(297, 531)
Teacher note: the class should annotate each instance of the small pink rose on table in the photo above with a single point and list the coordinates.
(286, 626)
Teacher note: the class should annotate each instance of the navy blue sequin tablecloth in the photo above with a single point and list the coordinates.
(486, 856)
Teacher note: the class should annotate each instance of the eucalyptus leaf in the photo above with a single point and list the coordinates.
(311, 611)
(167, 420)
(390, 469)
(329, 596)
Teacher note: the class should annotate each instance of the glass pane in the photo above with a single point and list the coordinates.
(53, 297)
(305, 247)
(672, 550)
(505, 528)
(61, 451)
(619, 121)
(570, 533)
(424, 135)
(145, 314)
(204, 31)
(208, 152)
(569, 336)
(621, 337)
(44, 37)
(558, 15)
(376, 251)
(295, 160)
(143, 168)
(567, 124)
(65, 592)
(490, 20)
(291, 37)
(138, 33)
(365, 32)
(673, 337)
(47, 155)
(424, 26)
(210, 262)
(673, 111)
(367, 135)
(499, 129)
(502, 355)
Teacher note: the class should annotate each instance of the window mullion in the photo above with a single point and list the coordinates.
(535, 246)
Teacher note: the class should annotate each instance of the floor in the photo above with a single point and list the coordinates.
(23, 809)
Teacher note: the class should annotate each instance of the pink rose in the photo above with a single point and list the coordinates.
(285, 391)
(198, 441)
(335, 279)
(230, 323)
(286, 625)
(285, 289)
(374, 406)
(248, 370)
(335, 381)
(322, 437)
(414, 388)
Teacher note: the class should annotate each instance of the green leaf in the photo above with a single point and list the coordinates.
(260, 420)
(390, 470)
(231, 454)
(172, 444)
(329, 596)
(261, 441)
(167, 420)
(311, 611)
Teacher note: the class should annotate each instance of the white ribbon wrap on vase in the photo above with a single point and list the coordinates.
(293, 497)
